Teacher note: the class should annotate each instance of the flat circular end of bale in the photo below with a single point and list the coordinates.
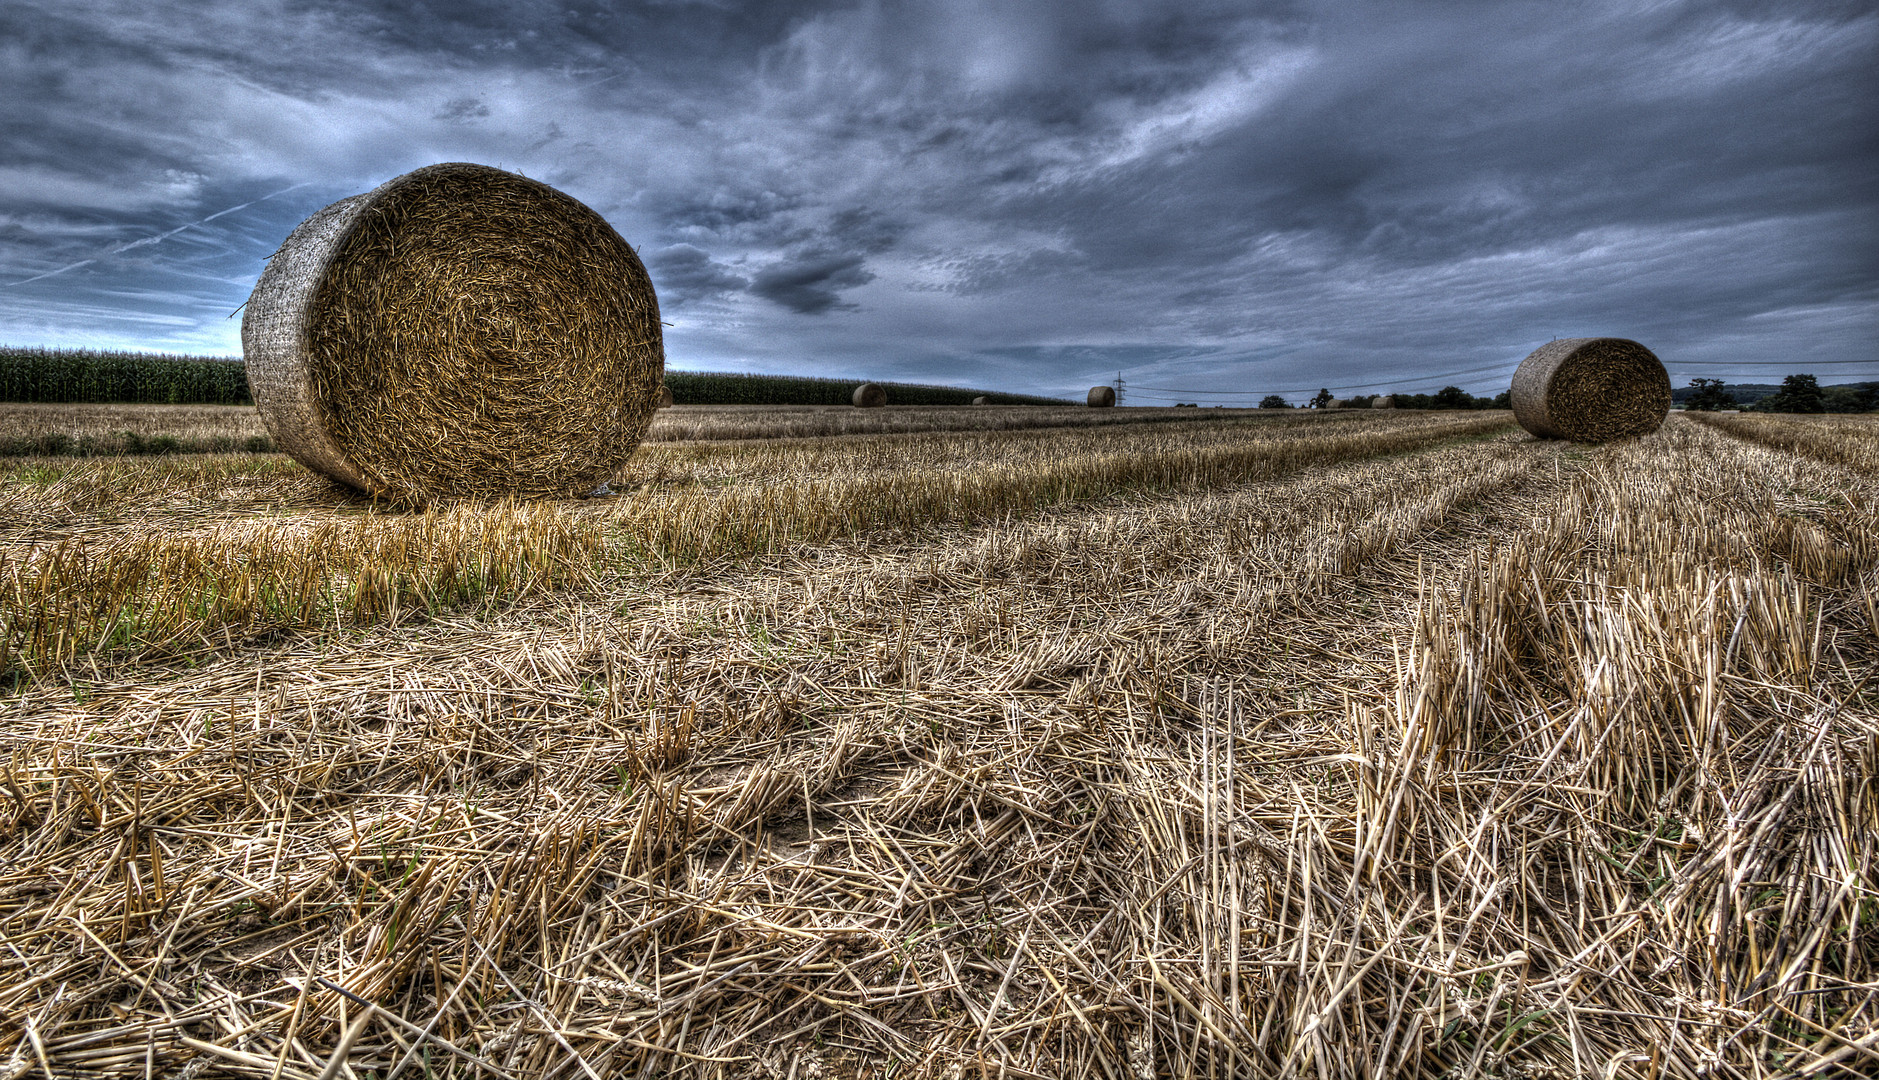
(1384, 402)
(870, 396)
(1591, 390)
(664, 400)
(1102, 397)
(456, 331)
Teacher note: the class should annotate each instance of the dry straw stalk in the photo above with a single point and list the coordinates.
(1458, 758)
(458, 330)
(1591, 390)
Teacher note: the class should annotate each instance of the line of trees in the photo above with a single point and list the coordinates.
(1449, 397)
(1798, 394)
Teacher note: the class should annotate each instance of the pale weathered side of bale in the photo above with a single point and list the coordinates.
(273, 341)
(870, 396)
(1590, 390)
(1102, 397)
(1383, 401)
(980, 400)
(456, 331)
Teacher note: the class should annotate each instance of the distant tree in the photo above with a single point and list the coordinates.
(1453, 397)
(1504, 399)
(1322, 399)
(1273, 401)
(1798, 394)
(1845, 399)
(1709, 396)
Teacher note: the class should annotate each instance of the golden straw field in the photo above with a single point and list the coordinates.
(954, 743)
(27, 429)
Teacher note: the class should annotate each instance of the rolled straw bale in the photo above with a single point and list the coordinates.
(1383, 401)
(664, 400)
(456, 331)
(1591, 390)
(1334, 403)
(980, 400)
(1102, 397)
(870, 396)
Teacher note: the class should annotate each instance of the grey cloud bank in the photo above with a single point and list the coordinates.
(1022, 195)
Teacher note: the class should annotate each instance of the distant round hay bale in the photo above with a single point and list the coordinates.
(1334, 403)
(664, 401)
(1102, 397)
(1383, 401)
(980, 400)
(1591, 390)
(456, 331)
(870, 396)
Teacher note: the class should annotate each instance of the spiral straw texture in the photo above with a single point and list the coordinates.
(1591, 390)
(456, 331)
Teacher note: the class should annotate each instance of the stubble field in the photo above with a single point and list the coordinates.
(28, 429)
(1339, 744)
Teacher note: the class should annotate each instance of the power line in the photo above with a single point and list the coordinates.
(1769, 363)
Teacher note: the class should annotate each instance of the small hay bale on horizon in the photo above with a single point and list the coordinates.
(1383, 401)
(1335, 403)
(1591, 390)
(870, 396)
(1102, 397)
(980, 400)
(664, 400)
(456, 331)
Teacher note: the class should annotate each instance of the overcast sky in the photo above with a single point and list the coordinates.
(1010, 194)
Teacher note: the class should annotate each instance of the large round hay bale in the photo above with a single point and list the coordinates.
(1334, 403)
(870, 396)
(1102, 397)
(980, 400)
(664, 400)
(1591, 390)
(1383, 401)
(456, 331)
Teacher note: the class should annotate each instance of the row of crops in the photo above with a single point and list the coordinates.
(86, 376)
(724, 388)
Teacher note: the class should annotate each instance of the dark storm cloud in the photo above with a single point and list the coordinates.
(1028, 194)
(811, 284)
(683, 273)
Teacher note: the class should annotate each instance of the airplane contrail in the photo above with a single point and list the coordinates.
(159, 238)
